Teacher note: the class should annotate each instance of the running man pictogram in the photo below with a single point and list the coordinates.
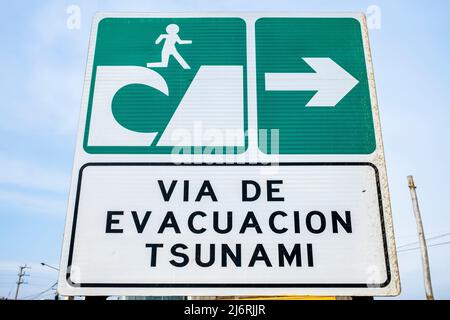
(169, 48)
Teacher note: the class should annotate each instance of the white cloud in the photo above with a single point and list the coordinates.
(19, 173)
(32, 188)
(13, 266)
(33, 203)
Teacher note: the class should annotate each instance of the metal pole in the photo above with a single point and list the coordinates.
(19, 282)
(49, 266)
(422, 241)
(20, 279)
(54, 268)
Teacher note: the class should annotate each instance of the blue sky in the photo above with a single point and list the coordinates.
(43, 65)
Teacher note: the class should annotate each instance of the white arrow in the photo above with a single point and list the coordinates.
(330, 80)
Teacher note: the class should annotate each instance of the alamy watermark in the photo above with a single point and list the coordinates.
(373, 14)
(73, 21)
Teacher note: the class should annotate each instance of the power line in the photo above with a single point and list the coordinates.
(37, 295)
(429, 246)
(428, 239)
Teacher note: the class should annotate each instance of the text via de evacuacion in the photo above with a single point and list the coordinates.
(199, 222)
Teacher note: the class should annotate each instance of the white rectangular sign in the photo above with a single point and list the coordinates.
(170, 227)
(229, 154)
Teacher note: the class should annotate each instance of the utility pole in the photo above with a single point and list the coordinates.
(21, 275)
(422, 241)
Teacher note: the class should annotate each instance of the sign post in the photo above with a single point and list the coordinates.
(229, 154)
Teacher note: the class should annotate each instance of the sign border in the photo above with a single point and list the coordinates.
(229, 285)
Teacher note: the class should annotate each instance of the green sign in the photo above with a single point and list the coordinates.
(176, 49)
(179, 85)
(346, 127)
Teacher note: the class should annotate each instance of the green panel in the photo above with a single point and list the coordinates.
(131, 42)
(347, 128)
